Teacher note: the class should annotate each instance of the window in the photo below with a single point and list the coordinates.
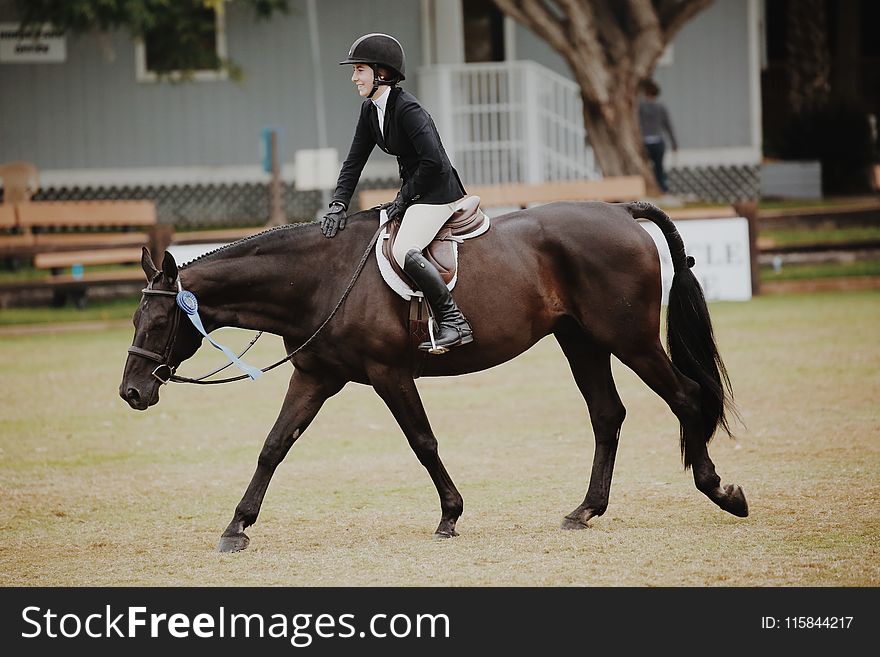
(191, 43)
(483, 31)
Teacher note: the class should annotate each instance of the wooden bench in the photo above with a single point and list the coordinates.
(70, 280)
(69, 236)
(615, 188)
(64, 259)
(47, 226)
(7, 217)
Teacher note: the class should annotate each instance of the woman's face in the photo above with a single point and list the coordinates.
(362, 76)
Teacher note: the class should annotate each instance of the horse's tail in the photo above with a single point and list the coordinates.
(689, 336)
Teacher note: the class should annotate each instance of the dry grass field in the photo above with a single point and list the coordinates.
(96, 494)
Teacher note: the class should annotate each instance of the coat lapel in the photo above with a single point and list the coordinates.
(389, 114)
(374, 122)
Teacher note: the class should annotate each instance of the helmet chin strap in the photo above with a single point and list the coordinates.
(378, 82)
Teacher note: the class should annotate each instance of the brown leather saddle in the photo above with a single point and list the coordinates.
(466, 222)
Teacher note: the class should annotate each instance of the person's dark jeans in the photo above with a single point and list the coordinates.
(656, 151)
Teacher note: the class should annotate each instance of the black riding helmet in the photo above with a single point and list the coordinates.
(379, 50)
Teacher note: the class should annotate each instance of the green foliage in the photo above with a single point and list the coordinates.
(830, 236)
(180, 36)
(809, 271)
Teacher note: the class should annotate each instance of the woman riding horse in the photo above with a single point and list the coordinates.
(394, 119)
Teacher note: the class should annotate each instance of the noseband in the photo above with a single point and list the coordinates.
(163, 358)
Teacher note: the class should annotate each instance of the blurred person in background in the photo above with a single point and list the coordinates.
(655, 126)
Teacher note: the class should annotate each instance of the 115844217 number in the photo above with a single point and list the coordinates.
(807, 622)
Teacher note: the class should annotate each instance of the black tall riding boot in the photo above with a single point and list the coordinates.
(453, 327)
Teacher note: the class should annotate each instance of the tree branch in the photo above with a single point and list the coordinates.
(649, 41)
(586, 54)
(575, 37)
(674, 14)
(613, 35)
(536, 17)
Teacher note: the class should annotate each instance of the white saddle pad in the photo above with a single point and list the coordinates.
(391, 277)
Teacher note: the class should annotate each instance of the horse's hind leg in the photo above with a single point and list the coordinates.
(683, 397)
(398, 390)
(591, 367)
(305, 396)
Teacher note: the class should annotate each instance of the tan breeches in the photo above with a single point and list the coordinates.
(419, 227)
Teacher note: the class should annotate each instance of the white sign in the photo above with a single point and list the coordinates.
(37, 44)
(720, 248)
(316, 169)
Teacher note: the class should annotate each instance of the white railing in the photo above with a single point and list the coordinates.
(508, 122)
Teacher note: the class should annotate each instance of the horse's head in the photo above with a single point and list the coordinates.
(161, 340)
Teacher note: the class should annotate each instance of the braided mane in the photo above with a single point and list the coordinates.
(274, 229)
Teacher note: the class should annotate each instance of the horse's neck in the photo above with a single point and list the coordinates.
(275, 285)
(245, 291)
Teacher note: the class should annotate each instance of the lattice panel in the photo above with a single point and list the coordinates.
(247, 204)
(201, 206)
(723, 184)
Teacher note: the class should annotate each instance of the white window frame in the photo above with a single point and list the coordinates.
(144, 75)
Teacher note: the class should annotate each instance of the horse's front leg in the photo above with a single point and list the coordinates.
(398, 390)
(305, 396)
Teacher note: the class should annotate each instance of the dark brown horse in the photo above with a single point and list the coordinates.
(585, 272)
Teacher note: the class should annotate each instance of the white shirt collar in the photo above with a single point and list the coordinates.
(382, 100)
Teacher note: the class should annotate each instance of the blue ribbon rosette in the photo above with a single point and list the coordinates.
(188, 303)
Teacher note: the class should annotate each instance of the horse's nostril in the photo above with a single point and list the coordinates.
(132, 394)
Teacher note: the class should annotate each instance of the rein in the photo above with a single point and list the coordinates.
(163, 359)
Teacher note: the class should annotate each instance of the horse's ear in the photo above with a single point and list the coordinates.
(147, 263)
(169, 268)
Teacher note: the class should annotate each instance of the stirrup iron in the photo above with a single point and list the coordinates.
(434, 348)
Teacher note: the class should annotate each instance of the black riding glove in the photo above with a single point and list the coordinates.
(333, 220)
(397, 208)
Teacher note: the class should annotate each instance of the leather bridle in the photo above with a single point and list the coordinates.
(164, 358)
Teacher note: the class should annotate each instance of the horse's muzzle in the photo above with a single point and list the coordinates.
(134, 397)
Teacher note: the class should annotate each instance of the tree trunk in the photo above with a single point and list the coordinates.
(612, 126)
(611, 46)
(617, 144)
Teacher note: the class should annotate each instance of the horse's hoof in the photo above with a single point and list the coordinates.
(578, 518)
(233, 543)
(735, 501)
(572, 523)
(445, 534)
